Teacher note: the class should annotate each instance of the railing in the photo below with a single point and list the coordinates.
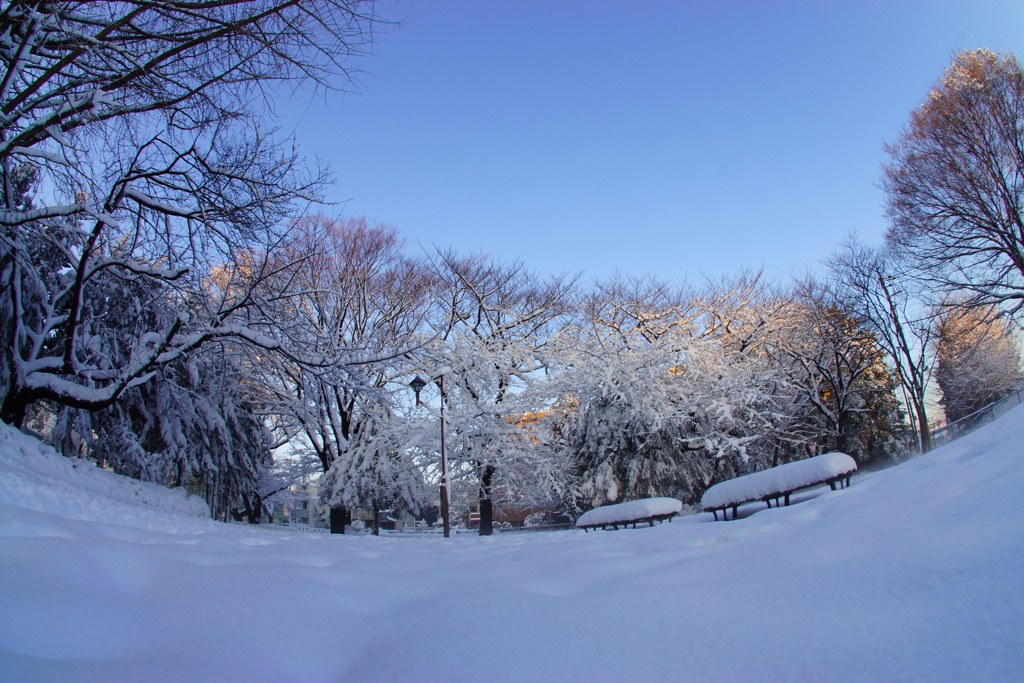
(979, 418)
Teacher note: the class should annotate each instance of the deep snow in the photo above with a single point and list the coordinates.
(913, 573)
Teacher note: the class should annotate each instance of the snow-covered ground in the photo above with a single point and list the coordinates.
(914, 573)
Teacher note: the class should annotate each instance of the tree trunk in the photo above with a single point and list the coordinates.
(254, 509)
(841, 433)
(486, 505)
(925, 430)
(246, 513)
(340, 517)
(14, 408)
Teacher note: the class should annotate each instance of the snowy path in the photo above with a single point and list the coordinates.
(914, 573)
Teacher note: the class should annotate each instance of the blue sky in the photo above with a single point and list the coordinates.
(672, 138)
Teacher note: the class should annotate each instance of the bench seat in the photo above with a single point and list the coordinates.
(778, 483)
(633, 512)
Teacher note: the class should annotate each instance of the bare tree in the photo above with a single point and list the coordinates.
(955, 180)
(140, 122)
(869, 282)
(978, 360)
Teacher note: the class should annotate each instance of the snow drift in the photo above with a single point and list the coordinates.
(914, 573)
(35, 476)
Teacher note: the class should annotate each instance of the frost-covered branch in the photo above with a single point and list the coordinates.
(141, 120)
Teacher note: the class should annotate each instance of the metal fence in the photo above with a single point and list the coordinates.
(979, 418)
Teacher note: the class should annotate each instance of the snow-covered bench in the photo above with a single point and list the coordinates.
(634, 512)
(778, 483)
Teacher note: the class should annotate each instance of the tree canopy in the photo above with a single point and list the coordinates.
(955, 180)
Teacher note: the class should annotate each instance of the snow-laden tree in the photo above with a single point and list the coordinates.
(378, 469)
(289, 474)
(668, 390)
(499, 453)
(192, 423)
(978, 358)
(747, 318)
(495, 329)
(133, 128)
(619, 390)
(354, 296)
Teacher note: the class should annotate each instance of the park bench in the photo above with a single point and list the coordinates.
(778, 483)
(633, 512)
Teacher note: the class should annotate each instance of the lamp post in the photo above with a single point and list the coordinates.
(417, 385)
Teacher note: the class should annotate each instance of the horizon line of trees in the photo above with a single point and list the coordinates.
(174, 309)
(645, 387)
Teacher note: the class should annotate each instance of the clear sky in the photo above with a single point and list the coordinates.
(670, 138)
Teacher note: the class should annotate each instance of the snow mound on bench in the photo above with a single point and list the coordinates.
(781, 479)
(632, 511)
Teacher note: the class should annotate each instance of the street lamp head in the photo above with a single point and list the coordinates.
(417, 385)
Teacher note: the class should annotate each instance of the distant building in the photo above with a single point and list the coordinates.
(301, 507)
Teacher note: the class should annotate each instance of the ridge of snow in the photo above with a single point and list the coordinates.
(788, 477)
(77, 489)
